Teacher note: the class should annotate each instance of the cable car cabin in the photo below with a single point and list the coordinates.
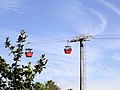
(67, 49)
(28, 52)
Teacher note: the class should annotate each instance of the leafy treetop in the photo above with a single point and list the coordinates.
(16, 76)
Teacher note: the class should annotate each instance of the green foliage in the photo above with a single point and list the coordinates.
(39, 86)
(49, 85)
(14, 76)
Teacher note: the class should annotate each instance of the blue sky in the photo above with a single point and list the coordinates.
(56, 19)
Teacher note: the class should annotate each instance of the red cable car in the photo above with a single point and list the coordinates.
(28, 52)
(67, 49)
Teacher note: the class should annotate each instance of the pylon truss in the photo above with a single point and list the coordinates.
(80, 38)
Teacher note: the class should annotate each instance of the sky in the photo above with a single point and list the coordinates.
(47, 20)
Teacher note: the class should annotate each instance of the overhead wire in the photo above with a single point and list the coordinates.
(107, 36)
(44, 42)
(51, 40)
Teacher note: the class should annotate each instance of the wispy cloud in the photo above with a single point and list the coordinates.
(101, 18)
(103, 76)
(111, 6)
(80, 18)
(106, 85)
(116, 56)
(11, 4)
(72, 13)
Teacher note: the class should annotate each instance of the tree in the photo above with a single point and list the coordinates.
(16, 76)
(39, 86)
(49, 85)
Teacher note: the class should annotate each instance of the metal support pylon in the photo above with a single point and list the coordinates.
(81, 39)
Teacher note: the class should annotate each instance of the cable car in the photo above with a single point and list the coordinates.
(28, 52)
(67, 49)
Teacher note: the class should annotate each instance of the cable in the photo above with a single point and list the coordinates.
(111, 36)
(44, 42)
(107, 38)
(108, 35)
(52, 40)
